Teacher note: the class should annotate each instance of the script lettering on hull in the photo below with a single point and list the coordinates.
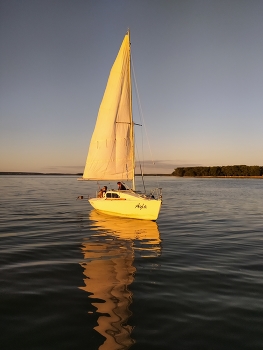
(141, 206)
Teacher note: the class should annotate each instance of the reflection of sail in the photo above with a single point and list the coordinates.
(109, 270)
(108, 276)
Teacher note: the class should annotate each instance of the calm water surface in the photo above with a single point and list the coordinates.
(71, 278)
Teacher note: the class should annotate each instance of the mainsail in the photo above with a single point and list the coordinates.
(111, 150)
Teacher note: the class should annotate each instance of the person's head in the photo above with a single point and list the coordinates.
(104, 188)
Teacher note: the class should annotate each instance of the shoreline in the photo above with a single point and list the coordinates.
(24, 173)
(220, 177)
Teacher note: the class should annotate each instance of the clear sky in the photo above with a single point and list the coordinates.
(198, 66)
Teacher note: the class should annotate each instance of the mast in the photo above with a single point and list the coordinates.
(132, 124)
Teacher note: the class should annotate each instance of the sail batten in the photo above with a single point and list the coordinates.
(110, 155)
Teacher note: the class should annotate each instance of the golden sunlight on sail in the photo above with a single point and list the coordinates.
(111, 150)
(109, 269)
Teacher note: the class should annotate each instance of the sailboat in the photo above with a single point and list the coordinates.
(111, 154)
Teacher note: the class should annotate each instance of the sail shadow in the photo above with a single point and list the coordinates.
(108, 265)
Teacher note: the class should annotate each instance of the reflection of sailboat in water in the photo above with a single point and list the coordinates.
(109, 255)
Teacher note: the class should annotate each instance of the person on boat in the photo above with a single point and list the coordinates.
(102, 192)
(121, 186)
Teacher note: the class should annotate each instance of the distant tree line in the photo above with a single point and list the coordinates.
(229, 170)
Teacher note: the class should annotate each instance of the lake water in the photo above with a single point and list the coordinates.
(71, 278)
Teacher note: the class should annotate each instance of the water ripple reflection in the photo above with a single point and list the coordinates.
(109, 270)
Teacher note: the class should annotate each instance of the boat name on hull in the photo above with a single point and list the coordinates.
(141, 206)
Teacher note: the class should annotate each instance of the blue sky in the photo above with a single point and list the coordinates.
(198, 66)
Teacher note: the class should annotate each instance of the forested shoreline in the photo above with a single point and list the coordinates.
(216, 171)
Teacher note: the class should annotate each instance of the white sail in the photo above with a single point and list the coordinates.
(111, 150)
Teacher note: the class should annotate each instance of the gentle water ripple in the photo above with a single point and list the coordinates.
(71, 278)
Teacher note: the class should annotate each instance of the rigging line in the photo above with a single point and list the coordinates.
(141, 169)
(126, 165)
(139, 162)
(140, 110)
(143, 180)
(140, 116)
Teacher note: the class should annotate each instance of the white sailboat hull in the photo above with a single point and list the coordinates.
(129, 204)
